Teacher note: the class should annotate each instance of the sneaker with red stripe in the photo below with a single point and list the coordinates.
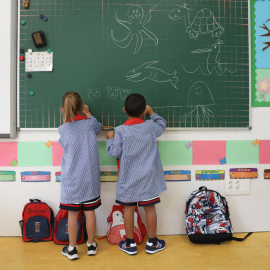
(152, 248)
(130, 249)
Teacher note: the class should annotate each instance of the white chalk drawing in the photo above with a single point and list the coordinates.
(199, 98)
(146, 71)
(203, 23)
(212, 62)
(114, 92)
(94, 93)
(136, 26)
(124, 93)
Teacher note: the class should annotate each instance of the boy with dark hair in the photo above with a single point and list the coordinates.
(141, 177)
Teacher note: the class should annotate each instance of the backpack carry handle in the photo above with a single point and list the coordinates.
(241, 239)
(203, 188)
(35, 200)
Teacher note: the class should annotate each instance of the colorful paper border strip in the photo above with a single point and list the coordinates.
(233, 152)
(204, 175)
(35, 176)
(177, 175)
(108, 176)
(58, 176)
(7, 176)
(267, 174)
(244, 173)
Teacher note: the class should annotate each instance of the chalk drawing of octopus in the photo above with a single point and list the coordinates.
(199, 98)
(136, 26)
(146, 71)
(212, 61)
(203, 23)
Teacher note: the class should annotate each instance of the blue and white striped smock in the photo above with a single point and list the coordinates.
(141, 175)
(80, 173)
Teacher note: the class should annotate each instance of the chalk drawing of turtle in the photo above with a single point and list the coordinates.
(203, 23)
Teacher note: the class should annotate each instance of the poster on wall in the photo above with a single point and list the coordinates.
(260, 46)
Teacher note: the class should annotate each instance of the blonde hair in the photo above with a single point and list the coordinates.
(71, 105)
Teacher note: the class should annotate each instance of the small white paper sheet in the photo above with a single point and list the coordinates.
(39, 61)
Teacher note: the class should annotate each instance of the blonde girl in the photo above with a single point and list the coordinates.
(80, 174)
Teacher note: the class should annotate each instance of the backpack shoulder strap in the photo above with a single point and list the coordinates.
(241, 239)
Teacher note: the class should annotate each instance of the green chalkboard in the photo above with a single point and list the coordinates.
(190, 60)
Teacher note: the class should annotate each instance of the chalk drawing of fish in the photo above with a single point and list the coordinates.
(147, 71)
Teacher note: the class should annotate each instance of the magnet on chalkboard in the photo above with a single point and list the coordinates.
(39, 39)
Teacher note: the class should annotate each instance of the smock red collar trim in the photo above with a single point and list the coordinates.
(78, 117)
(134, 121)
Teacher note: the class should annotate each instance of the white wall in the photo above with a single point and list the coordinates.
(248, 212)
(8, 68)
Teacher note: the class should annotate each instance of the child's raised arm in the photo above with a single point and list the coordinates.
(160, 123)
(95, 124)
(114, 144)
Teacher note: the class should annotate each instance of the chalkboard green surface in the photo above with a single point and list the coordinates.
(190, 60)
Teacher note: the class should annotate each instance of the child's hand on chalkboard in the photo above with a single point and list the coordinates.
(149, 110)
(86, 110)
(109, 135)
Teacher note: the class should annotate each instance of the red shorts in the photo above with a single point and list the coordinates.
(149, 202)
(85, 206)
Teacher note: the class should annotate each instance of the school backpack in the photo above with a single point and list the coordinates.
(117, 231)
(208, 218)
(60, 228)
(36, 223)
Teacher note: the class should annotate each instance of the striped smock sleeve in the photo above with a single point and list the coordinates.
(95, 125)
(114, 145)
(160, 124)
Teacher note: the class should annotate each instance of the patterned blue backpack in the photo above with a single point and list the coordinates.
(208, 218)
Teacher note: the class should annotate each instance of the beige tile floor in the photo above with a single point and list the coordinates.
(180, 253)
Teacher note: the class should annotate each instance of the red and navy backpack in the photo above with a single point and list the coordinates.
(36, 223)
(208, 218)
(60, 228)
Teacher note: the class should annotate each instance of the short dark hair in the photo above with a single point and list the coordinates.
(135, 105)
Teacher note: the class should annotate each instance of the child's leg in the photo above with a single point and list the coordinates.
(90, 225)
(73, 227)
(151, 220)
(129, 246)
(153, 244)
(129, 220)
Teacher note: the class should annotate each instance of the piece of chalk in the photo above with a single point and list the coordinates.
(21, 58)
(49, 51)
(30, 51)
(31, 93)
(21, 50)
(26, 3)
(23, 22)
(41, 16)
(45, 19)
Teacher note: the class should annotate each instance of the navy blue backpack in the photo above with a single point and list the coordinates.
(60, 228)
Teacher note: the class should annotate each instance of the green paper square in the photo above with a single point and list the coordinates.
(104, 158)
(242, 152)
(32, 154)
(174, 153)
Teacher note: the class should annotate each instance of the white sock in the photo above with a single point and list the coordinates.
(71, 248)
(94, 244)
